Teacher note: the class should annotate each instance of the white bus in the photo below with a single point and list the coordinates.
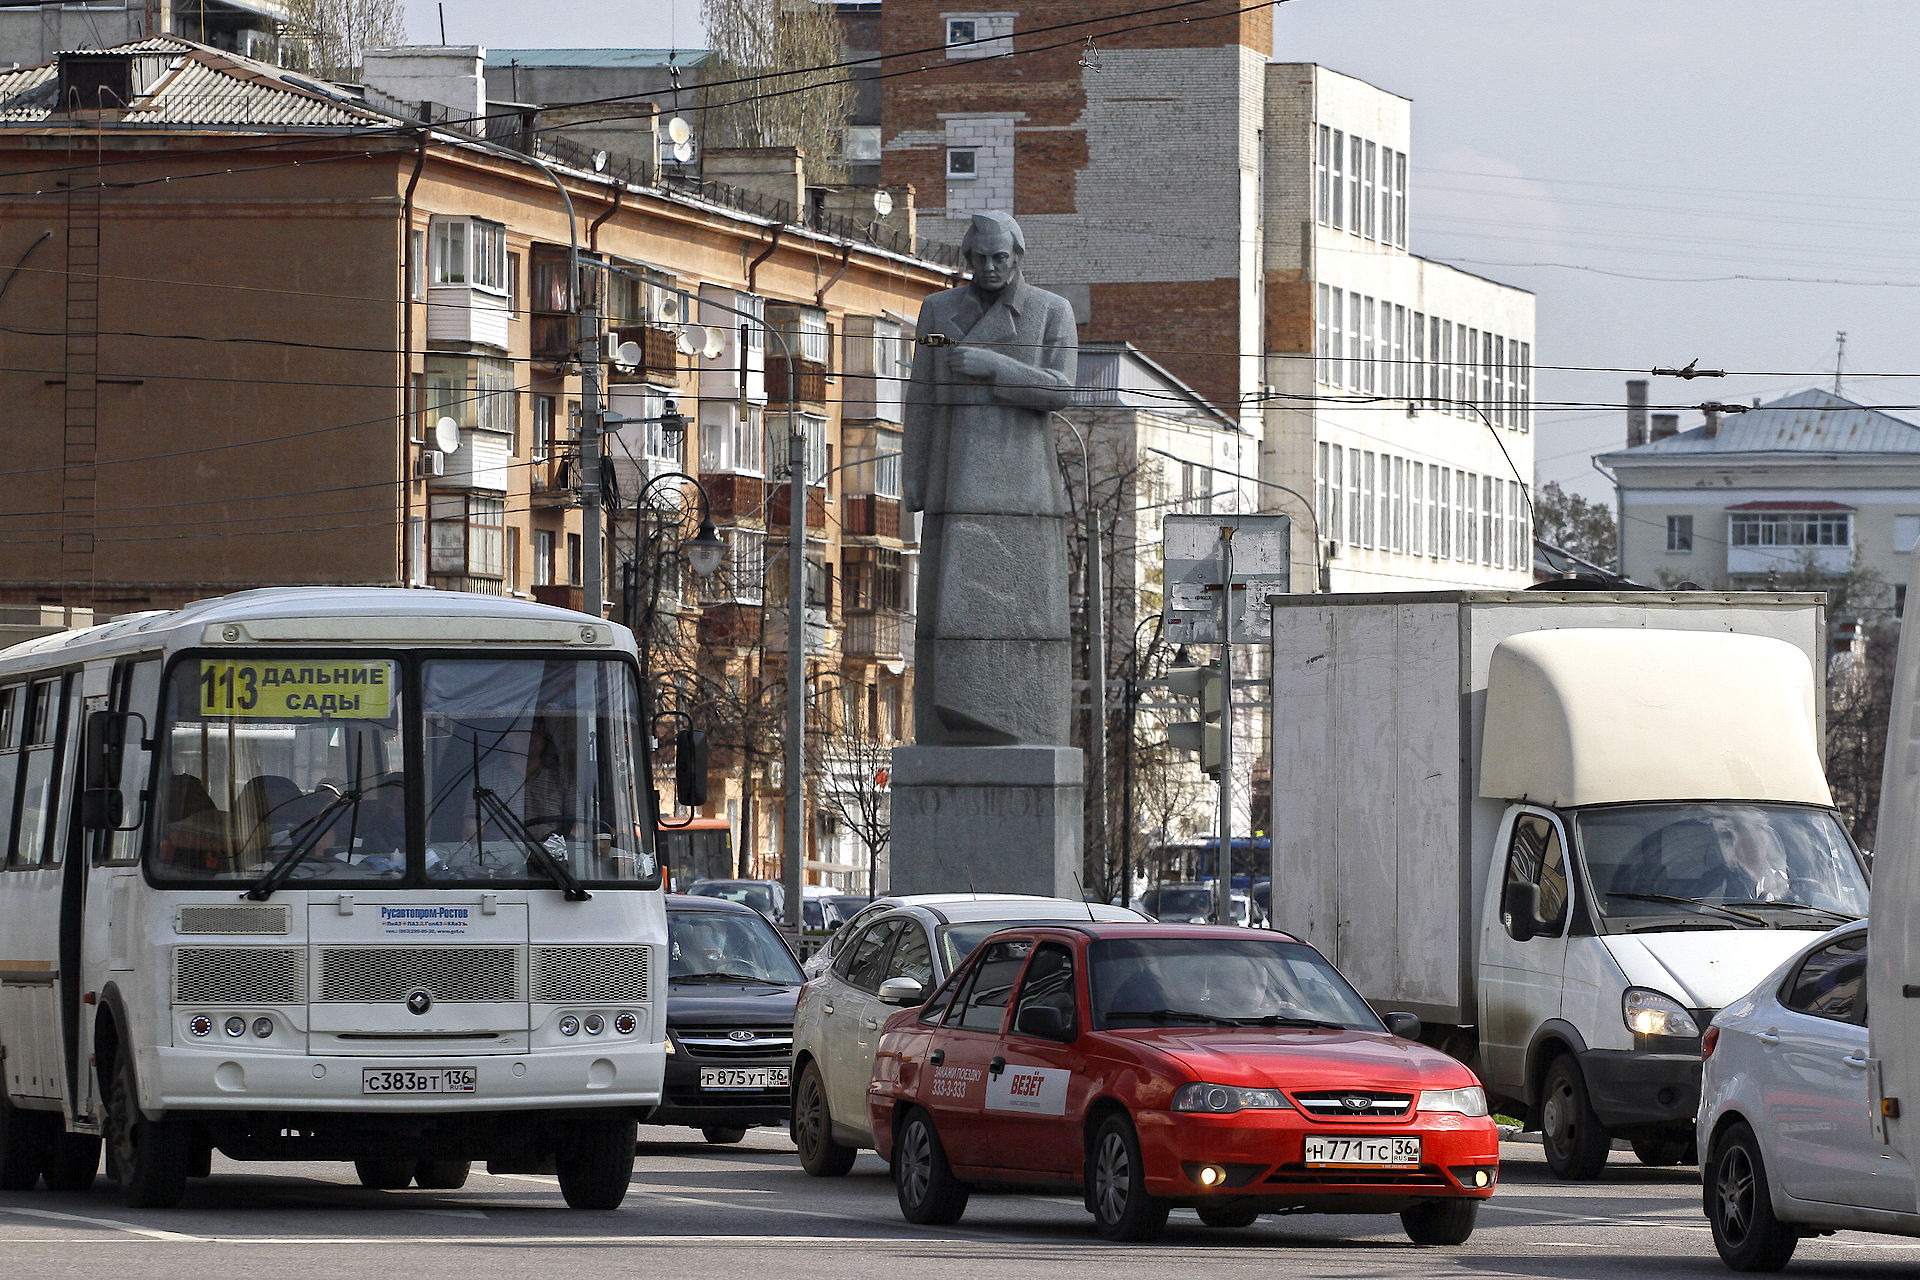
(329, 874)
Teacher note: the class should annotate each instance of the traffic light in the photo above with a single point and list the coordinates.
(1202, 735)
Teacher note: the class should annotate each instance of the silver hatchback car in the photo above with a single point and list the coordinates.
(911, 943)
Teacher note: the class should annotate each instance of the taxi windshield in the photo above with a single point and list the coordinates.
(1230, 980)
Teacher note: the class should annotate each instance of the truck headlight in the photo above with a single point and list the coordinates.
(1648, 1013)
(1470, 1101)
(1223, 1098)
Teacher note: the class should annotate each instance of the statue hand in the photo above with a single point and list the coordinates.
(974, 362)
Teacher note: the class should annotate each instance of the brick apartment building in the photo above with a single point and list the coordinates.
(238, 307)
(1177, 186)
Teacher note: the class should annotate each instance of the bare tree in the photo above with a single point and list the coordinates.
(800, 102)
(330, 37)
(848, 774)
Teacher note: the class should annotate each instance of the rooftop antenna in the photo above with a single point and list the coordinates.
(443, 25)
(1839, 361)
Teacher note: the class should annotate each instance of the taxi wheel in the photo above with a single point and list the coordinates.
(1440, 1221)
(1122, 1209)
(930, 1196)
(722, 1135)
(1575, 1142)
(441, 1175)
(820, 1155)
(1739, 1206)
(384, 1173)
(1227, 1215)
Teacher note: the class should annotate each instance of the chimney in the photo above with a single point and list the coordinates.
(1665, 424)
(777, 175)
(1636, 412)
(451, 78)
(1713, 420)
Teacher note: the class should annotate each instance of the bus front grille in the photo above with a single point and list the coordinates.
(566, 974)
(241, 975)
(456, 974)
(206, 918)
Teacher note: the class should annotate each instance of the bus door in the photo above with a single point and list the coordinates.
(29, 955)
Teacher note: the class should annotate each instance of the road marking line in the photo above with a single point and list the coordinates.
(111, 1224)
(1611, 1222)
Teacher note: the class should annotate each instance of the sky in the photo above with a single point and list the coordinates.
(1625, 160)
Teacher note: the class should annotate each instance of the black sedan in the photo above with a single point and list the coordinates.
(731, 987)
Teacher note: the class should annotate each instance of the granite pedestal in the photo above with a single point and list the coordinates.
(987, 819)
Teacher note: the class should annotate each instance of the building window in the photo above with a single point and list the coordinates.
(1356, 353)
(1399, 366)
(1320, 485)
(743, 575)
(1367, 516)
(732, 441)
(1417, 512)
(1900, 600)
(1369, 348)
(417, 268)
(1366, 195)
(1322, 209)
(1526, 386)
(467, 535)
(542, 428)
(1417, 357)
(1336, 339)
(543, 557)
(1331, 530)
(1354, 502)
(1320, 350)
(1906, 532)
(1680, 534)
(1436, 512)
(1399, 504)
(1338, 182)
(575, 562)
(1400, 199)
(470, 251)
(1790, 529)
(962, 162)
(1355, 148)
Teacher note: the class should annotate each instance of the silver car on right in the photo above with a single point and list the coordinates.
(908, 945)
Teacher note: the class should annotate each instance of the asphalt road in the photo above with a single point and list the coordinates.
(748, 1212)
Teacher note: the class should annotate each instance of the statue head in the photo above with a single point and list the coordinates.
(993, 247)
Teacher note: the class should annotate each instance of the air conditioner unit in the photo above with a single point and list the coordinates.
(433, 463)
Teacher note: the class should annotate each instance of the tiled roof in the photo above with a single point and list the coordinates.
(193, 86)
(1811, 421)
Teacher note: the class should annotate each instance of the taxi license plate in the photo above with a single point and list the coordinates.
(430, 1080)
(1374, 1153)
(743, 1077)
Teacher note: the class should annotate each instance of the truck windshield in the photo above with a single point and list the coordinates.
(283, 769)
(1737, 864)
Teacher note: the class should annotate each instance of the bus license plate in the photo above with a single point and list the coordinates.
(1378, 1153)
(431, 1080)
(743, 1077)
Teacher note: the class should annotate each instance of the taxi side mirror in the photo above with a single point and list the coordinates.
(901, 991)
(1404, 1025)
(1043, 1021)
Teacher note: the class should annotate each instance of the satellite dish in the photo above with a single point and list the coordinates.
(628, 355)
(683, 151)
(599, 162)
(716, 342)
(679, 131)
(670, 307)
(684, 343)
(446, 435)
(882, 203)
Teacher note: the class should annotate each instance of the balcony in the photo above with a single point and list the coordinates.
(550, 483)
(561, 595)
(734, 497)
(809, 382)
(780, 505)
(872, 516)
(730, 625)
(659, 354)
(551, 333)
(875, 635)
(1758, 562)
(818, 628)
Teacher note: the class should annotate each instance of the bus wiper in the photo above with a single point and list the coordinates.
(1695, 903)
(304, 840)
(488, 805)
(1841, 916)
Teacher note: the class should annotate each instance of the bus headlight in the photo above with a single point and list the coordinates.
(200, 1024)
(625, 1024)
(569, 1025)
(263, 1027)
(236, 1025)
(595, 1024)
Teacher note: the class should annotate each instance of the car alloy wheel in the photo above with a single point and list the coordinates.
(1111, 1173)
(820, 1155)
(930, 1196)
(916, 1162)
(1740, 1206)
(1122, 1209)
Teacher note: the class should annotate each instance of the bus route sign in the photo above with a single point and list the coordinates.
(288, 690)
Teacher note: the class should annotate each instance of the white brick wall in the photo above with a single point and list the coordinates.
(990, 138)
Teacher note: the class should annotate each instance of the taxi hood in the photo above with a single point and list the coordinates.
(1303, 1058)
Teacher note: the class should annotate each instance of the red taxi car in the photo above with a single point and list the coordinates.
(1153, 1066)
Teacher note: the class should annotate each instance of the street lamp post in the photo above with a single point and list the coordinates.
(1096, 653)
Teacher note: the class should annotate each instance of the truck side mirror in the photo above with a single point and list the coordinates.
(102, 807)
(690, 768)
(1520, 906)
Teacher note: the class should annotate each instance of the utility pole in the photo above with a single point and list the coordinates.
(1096, 680)
(1223, 908)
(592, 560)
(793, 826)
(1839, 361)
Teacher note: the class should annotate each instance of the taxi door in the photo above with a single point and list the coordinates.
(1033, 1104)
(955, 1078)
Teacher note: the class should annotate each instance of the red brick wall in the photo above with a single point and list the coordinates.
(1186, 326)
(1289, 312)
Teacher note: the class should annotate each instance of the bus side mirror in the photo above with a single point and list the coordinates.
(102, 806)
(690, 768)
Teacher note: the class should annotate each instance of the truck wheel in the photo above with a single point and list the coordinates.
(1662, 1151)
(1575, 1141)
(441, 1175)
(1739, 1206)
(23, 1147)
(384, 1173)
(151, 1156)
(73, 1162)
(1440, 1221)
(930, 1196)
(595, 1161)
(1122, 1209)
(820, 1155)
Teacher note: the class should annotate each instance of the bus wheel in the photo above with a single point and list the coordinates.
(151, 1155)
(23, 1146)
(73, 1163)
(387, 1173)
(595, 1160)
(441, 1175)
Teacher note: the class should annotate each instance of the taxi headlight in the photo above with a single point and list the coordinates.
(1648, 1013)
(1223, 1098)
(1470, 1101)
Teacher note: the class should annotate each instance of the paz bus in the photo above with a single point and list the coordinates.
(329, 874)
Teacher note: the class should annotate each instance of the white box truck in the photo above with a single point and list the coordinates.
(1563, 827)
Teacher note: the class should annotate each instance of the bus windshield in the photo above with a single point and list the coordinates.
(287, 769)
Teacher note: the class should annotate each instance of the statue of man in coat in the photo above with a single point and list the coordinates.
(994, 358)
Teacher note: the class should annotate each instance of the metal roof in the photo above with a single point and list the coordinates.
(596, 57)
(1811, 421)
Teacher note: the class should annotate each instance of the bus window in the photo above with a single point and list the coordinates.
(39, 787)
(11, 700)
(137, 691)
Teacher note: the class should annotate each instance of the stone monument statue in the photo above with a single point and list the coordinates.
(994, 358)
(990, 795)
